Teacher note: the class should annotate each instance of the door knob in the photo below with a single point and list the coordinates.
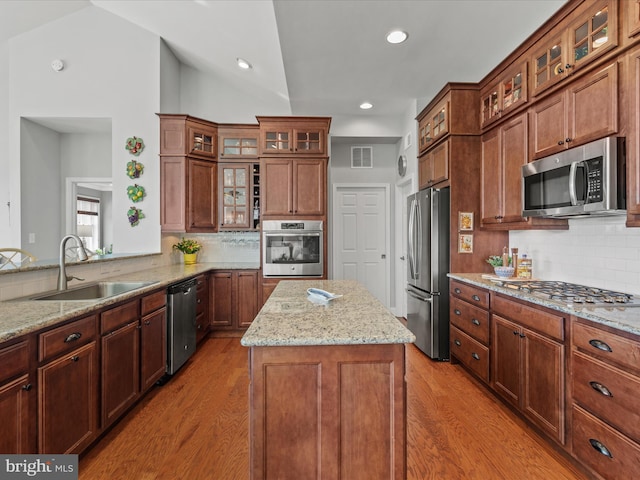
(383, 256)
(402, 257)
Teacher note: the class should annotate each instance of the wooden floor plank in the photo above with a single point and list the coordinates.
(196, 427)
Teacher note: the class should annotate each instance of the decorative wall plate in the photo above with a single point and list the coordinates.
(134, 169)
(134, 215)
(135, 145)
(135, 193)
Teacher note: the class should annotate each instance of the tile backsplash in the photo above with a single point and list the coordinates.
(598, 252)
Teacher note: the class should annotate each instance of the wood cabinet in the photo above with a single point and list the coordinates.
(293, 187)
(527, 367)
(633, 140)
(68, 379)
(606, 408)
(633, 17)
(235, 204)
(591, 31)
(202, 307)
(238, 142)
(186, 135)
(17, 398)
(344, 414)
(433, 165)
(153, 339)
(585, 111)
(293, 135)
(234, 295)
(506, 94)
(469, 335)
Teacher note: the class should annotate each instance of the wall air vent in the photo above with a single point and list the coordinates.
(362, 157)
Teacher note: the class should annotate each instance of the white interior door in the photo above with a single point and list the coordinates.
(361, 237)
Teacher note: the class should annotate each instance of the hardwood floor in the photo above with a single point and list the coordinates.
(196, 427)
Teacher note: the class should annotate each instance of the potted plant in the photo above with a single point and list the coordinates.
(189, 249)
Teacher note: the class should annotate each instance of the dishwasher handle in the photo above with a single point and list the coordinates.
(182, 287)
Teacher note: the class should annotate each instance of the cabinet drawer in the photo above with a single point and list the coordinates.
(470, 319)
(592, 439)
(118, 316)
(14, 360)
(608, 392)
(153, 302)
(530, 317)
(473, 295)
(470, 352)
(66, 338)
(605, 345)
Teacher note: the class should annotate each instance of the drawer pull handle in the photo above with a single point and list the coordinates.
(600, 345)
(598, 387)
(75, 358)
(73, 337)
(475, 297)
(457, 342)
(147, 322)
(515, 332)
(476, 322)
(457, 290)
(457, 312)
(475, 355)
(26, 387)
(600, 447)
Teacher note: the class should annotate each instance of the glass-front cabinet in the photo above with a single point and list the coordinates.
(433, 125)
(633, 17)
(507, 93)
(293, 135)
(234, 188)
(202, 140)
(238, 142)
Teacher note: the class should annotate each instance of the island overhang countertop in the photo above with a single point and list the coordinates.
(288, 318)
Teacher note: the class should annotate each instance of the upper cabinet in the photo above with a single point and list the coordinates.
(593, 32)
(293, 135)
(235, 191)
(506, 94)
(633, 17)
(186, 135)
(238, 141)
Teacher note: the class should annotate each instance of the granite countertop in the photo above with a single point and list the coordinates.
(23, 316)
(621, 318)
(289, 318)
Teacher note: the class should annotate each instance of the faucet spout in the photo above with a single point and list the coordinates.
(63, 278)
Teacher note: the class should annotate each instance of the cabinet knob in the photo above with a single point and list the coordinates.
(457, 342)
(476, 298)
(475, 356)
(598, 387)
(476, 322)
(599, 446)
(568, 66)
(559, 70)
(75, 358)
(600, 345)
(26, 387)
(515, 332)
(457, 290)
(522, 335)
(147, 322)
(568, 140)
(457, 312)
(560, 142)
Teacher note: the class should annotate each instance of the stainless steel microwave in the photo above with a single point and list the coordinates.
(585, 180)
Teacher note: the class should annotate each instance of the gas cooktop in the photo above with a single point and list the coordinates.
(573, 295)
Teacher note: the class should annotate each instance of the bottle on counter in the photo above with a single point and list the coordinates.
(525, 267)
(505, 257)
(514, 261)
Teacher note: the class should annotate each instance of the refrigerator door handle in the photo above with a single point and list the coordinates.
(418, 255)
(411, 252)
(419, 297)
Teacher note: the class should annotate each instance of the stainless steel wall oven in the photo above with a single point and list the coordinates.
(292, 248)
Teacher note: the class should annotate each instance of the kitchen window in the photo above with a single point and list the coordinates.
(87, 223)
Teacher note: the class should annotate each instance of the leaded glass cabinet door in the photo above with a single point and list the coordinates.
(234, 205)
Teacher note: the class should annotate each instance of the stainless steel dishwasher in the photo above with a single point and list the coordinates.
(181, 324)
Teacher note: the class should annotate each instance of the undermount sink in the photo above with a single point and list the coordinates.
(93, 291)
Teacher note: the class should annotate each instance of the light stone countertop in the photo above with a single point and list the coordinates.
(23, 316)
(621, 318)
(288, 318)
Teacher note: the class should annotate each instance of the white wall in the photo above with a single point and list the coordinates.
(169, 80)
(598, 252)
(112, 71)
(6, 220)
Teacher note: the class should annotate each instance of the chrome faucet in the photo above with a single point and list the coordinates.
(63, 278)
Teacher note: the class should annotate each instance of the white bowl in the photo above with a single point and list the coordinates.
(504, 272)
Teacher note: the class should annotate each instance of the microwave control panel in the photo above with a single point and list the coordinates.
(594, 179)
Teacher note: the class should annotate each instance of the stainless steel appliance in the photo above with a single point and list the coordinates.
(573, 295)
(428, 258)
(585, 180)
(181, 324)
(292, 248)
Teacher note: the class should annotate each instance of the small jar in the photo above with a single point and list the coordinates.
(525, 267)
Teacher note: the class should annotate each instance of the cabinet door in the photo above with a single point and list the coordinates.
(67, 401)
(15, 416)
(440, 163)
(547, 120)
(424, 170)
(633, 145)
(543, 376)
(276, 140)
(506, 359)
(548, 64)
(153, 348)
(221, 284)
(120, 371)
(310, 140)
(202, 308)
(235, 196)
(491, 174)
(173, 194)
(309, 187)
(202, 140)
(633, 17)
(593, 106)
(514, 155)
(202, 187)
(424, 134)
(594, 34)
(247, 298)
(276, 188)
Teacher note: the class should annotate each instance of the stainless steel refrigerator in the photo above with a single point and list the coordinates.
(428, 265)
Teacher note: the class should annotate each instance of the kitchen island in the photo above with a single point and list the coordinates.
(328, 392)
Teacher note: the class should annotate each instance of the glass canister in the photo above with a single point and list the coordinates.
(525, 267)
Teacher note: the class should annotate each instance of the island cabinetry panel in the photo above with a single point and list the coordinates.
(17, 398)
(470, 328)
(68, 387)
(585, 111)
(528, 362)
(328, 412)
(234, 295)
(606, 408)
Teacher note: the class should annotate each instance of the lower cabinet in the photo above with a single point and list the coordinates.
(153, 339)
(528, 366)
(234, 295)
(68, 380)
(202, 308)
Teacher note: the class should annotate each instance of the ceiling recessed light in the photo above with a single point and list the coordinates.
(242, 63)
(366, 105)
(397, 36)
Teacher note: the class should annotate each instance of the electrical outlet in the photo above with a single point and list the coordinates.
(32, 238)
